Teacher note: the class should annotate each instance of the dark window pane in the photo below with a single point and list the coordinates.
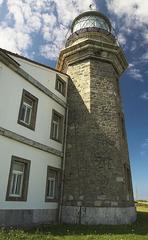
(52, 188)
(22, 115)
(18, 185)
(13, 180)
(28, 115)
(56, 118)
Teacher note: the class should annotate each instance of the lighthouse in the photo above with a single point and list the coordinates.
(97, 176)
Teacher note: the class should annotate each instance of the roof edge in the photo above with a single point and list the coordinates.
(32, 61)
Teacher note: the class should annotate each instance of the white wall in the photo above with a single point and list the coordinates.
(11, 87)
(44, 75)
(37, 179)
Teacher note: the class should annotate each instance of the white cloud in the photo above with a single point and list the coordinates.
(13, 40)
(52, 19)
(1, 2)
(24, 15)
(145, 97)
(50, 51)
(34, 23)
(133, 11)
(48, 27)
(121, 38)
(144, 57)
(135, 73)
(49, 18)
(132, 15)
(55, 28)
(20, 22)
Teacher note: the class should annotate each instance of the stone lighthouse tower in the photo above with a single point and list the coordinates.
(97, 183)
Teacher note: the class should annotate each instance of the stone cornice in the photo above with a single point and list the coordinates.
(12, 64)
(19, 138)
(92, 49)
(91, 33)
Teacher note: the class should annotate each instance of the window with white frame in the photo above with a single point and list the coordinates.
(60, 85)
(57, 126)
(52, 184)
(18, 179)
(28, 110)
(17, 176)
(51, 187)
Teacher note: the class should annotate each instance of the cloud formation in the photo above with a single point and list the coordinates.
(145, 57)
(49, 19)
(145, 96)
(131, 15)
(135, 73)
(134, 12)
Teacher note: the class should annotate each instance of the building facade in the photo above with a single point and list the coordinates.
(63, 145)
(32, 125)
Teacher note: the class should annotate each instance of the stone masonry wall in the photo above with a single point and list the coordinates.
(97, 155)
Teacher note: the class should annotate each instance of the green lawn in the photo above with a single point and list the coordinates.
(136, 231)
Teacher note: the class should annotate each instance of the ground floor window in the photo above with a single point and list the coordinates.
(18, 179)
(52, 184)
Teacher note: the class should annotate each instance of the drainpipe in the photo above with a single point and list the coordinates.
(63, 167)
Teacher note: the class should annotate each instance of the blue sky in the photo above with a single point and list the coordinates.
(38, 28)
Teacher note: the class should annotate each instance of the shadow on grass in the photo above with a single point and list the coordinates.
(139, 227)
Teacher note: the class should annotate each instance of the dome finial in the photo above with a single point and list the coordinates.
(92, 7)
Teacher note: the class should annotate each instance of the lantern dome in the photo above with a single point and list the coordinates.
(91, 19)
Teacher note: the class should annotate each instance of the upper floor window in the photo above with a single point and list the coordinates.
(18, 179)
(52, 183)
(60, 85)
(28, 110)
(57, 126)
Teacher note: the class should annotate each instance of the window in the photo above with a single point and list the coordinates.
(18, 179)
(60, 85)
(52, 184)
(57, 126)
(28, 110)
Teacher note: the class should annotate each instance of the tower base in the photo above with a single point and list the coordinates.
(98, 215)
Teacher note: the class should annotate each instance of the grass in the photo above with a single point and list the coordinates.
(136, 231)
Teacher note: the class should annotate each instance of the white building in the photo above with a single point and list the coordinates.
(32, 126)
